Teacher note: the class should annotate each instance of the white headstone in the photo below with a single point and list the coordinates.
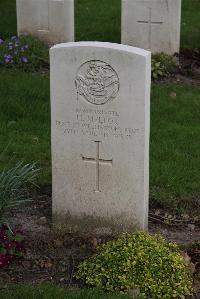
(152, 24)
(100, 94)
(50, 20)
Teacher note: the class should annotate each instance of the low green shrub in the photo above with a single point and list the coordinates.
(162, 65)
(24, 53)
(138, 262)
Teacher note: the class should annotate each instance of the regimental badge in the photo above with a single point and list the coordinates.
(97, 82)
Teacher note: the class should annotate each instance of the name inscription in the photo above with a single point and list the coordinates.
(96, 123)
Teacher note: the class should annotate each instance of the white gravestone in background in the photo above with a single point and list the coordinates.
(50, 20)
(100, 136)
(152, 24)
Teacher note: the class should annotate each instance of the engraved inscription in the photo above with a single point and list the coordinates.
(97, 161)
(97, 82)
(149, 22)
(95, 123)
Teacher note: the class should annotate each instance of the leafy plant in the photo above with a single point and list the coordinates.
(25, 53)
(11, 246)
(138, 262)
(162, 65)
(13, 187)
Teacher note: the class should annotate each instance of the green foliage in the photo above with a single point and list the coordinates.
(138, 261)
(50, 291)
(13, 187)
(162, 65)
(24, 53)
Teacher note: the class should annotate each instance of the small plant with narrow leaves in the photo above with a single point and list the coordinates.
(14, 184)
(138, 262)
(24, 53)
(11, 246)
(162, 66)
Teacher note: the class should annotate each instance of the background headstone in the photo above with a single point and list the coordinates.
(152, 24)
(50, 20)
(100, 94)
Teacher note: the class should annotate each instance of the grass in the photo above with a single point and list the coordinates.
(100, 20)
(25, 120)
(46, 291)
(8, 20)
(175, 142)
(190, 28)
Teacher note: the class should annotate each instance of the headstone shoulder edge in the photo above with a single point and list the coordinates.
(105, 45)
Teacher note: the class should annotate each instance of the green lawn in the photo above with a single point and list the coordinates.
(25, 120)
(8, 22)
(175, 131)
(190, 28)
(175, 144)
(100, 20)
(50, 291)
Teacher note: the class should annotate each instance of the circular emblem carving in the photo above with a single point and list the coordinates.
(97, 82)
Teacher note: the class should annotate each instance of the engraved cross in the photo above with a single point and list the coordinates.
(150, 23)
(97, 161)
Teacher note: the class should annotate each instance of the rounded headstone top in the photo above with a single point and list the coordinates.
(105, 45)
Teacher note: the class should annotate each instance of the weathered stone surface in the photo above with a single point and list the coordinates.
(152, 24)
(100, 136)
(50, 20)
